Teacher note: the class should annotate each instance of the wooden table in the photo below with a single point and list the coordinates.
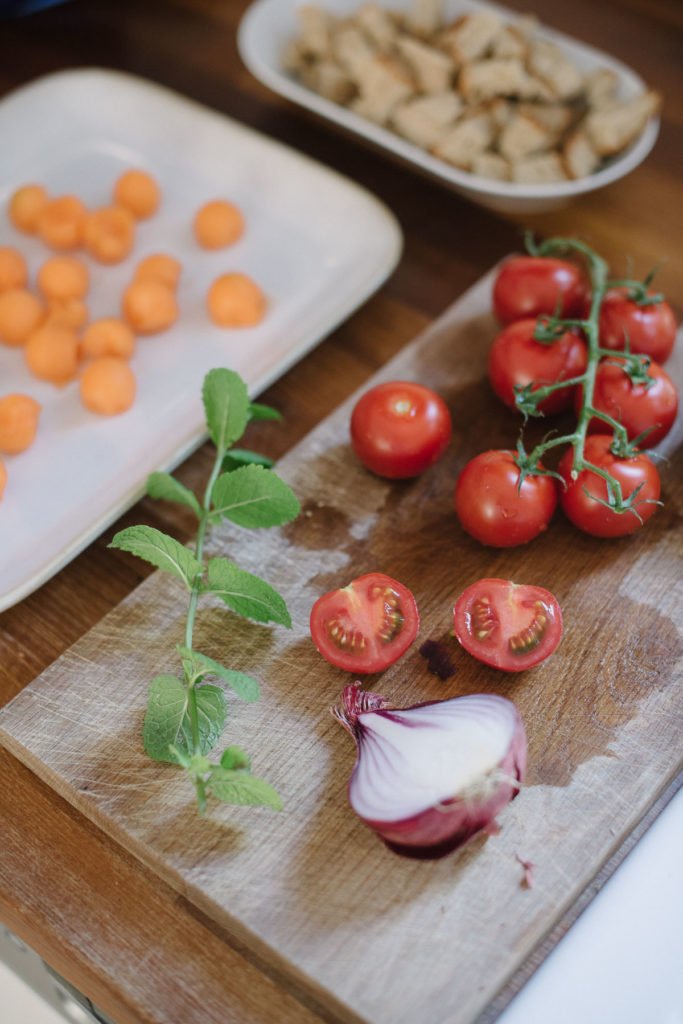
(130, 943)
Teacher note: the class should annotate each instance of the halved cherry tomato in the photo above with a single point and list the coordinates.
(516, 358)
(534, 285)
(578, 499)
(508, 625)
(636, 406)
(399, 429)
(494, 509)
(365, 626)
(650, 330)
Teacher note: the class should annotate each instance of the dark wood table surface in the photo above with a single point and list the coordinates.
(130, 943)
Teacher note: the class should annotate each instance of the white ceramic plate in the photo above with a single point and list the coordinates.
(269, 25)
(317, 244)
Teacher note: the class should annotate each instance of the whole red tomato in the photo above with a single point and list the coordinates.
(578, 499)
(638, 407)
(650, 330)
(516, 358)
(494, 509)
(529, 286)
(399, 429)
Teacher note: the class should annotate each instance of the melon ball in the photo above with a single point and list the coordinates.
(71, 313)
(138, 192)
(108, 386)
(63, 277)
(108, 337)
(26, 206)
(61, 222)
(109, 234)
(21, 313)
(13, 269)
(19, 416)
(52, 354)
(3, 478)
(159, 267)
(218, 224)
(149, 306)
(234, 300)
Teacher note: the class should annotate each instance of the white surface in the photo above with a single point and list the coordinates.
(269, 25)
(21, 1005)
(316, 243)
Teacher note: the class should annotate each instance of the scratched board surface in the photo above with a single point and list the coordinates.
(372, 936)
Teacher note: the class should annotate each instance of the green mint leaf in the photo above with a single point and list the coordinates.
(211, 714)
(238, 787)
(235, 759)
(164, 717)
(237, 457)
(254, 497)
(226, 406)
(258, 411)
(160, 550)
(246, 594)
(199, 665)
(166, 487)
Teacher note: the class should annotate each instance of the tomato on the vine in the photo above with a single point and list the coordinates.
(399, 429)
(529, 286)
(650, 330)
(637, 407)
(508, 625)
(494, 509)
(365, 626)
(582, 499)
(516, 358)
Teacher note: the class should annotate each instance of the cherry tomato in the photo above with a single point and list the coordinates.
(636, 406)
(365, 626)
(492, 507)
(651, 330)
(399, 429)
(578, 500)
(529, 286)
(517, 358)
(508, 625)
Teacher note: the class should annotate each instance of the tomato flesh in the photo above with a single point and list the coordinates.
(531, 286)
(507, 625)
(365, 626)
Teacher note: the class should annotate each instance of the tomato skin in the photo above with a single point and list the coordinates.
(651, 330)
(493, 510)
(530, 286)
(365, 626)
(517, 358)
(589, 515)
(507, 625)
(634, 405)
(399, 429)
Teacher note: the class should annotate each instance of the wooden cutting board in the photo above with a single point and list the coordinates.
(318, 899)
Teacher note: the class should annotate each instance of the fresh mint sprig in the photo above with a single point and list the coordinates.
(185, 714)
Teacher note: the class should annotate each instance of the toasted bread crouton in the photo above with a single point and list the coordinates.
(294, 57)
(522, 136)
(471, 36)
(510, 43)
(422, 121)
(425, 18)
(466, 140)
(351, 49)
(496, 77)
(327, 78)
(433, 71)
(615, 128)
(501, 110)
(542, 169)
(556, 117)
(383, 83)
(491, 165)
(378, 25)
(316, 30)
(601, 87)
(580, 159)
(547, 62)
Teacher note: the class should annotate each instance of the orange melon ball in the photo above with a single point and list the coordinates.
(63, 277)
(159, 267)
(109, 234)
(52, 354)
(149, 307)
(71, 313)
(61, 222)
(18, 423)
(108, 337)
(3, 478)
(234, 300)
(13, 269)
(21, 313)
(139, 193)
(26, 206)
(218, 224)
(108, 386)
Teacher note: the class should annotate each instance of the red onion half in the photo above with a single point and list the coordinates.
(429, 777)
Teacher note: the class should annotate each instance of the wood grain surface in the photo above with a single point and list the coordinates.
(189, 45)
(311, 890)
